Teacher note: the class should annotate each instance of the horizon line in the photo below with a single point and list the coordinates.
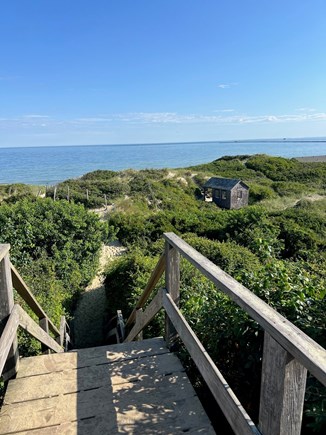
(270, 140)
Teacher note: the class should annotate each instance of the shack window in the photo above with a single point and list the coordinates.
(217, 193)
(223, 194)
(239, 194)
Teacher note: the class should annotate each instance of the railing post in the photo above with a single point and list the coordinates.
(282, 391)
(172, 285)
(139, 316)
(44, 324)
(6, 306)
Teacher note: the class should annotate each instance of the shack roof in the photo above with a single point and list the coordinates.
(224, 183)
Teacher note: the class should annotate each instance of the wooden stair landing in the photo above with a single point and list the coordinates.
(131, 388)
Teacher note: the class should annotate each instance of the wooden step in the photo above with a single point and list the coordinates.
(93, 356)
(85, 378)
(138, 387)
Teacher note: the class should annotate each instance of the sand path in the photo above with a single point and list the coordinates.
(91, 309)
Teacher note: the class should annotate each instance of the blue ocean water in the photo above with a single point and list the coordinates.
(49, 165)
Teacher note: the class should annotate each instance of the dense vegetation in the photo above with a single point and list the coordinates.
(275, 247)
(55, 247)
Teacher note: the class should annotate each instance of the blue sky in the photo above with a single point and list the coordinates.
(139, 71)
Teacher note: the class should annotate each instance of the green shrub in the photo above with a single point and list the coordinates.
(259, 192)
(287, 188)
(229, 256)
(56, 236)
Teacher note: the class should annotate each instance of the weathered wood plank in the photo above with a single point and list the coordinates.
(44, 324)
(131, 393)
(92, 356)
(6, 305)
(102, 425)
(172, 285)
(153, 280)
(169, 398)
(62, 330)
(8, 336)
(136, 404)
(55, 410)
(71, 381)
(23, 290)
(282, 391)
(135, 370)
(138, 323)
(4, 250)
(296, 342)
(144, 319)
(224, 396)
(36, 331)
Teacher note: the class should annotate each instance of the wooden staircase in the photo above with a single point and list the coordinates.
(132, 388)
(140, 387)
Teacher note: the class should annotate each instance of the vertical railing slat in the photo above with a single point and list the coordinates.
(282, 391)
(44, 324)
(6, 306)
(172, 285)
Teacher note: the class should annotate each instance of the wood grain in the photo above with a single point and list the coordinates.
(6, 306)
(282, 391)
(4, 250)
(172, 285)
(133, 393)
(81, 379)
(89, 357)
(8, 336)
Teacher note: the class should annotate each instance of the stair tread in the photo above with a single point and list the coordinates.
(137, 387)
(79, 358)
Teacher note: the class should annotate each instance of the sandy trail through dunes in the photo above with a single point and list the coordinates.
(90, 312)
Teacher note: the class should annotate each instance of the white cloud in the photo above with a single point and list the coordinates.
(223, 110)
(100, 123)
(306, 109)
(227, 85)
(175, 118)
(35, 116)
(93, 119)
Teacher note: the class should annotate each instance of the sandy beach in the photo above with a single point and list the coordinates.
(312, 159)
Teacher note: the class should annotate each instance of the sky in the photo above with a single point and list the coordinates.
(144, 71)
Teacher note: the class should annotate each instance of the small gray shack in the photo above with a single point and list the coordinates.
(227, 192)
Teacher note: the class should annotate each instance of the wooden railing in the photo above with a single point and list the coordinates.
(287, 354)
(13, 316)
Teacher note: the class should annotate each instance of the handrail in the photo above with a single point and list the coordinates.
(291, 338)
(288, 351)
(27, 323)
(8, 336)
(220, 389)
(64, 339)
(153, 280)
(19, 317)
(25, 293)
(4, 249)
(12, 316)
(143, 319)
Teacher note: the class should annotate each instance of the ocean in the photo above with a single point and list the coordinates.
(50, 165)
